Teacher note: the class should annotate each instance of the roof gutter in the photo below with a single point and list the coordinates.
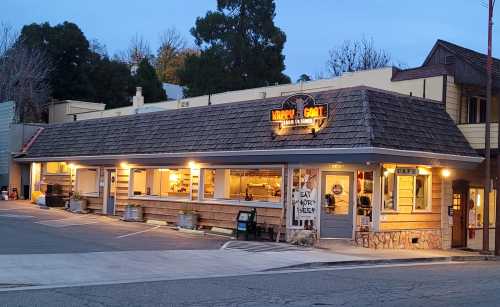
(267, 152)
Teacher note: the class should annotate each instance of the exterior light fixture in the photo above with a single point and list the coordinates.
(124, 165)
(72, 166)
(192, 165)
(445, 173)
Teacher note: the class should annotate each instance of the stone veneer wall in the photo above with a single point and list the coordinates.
(446, 220)
(400, 239)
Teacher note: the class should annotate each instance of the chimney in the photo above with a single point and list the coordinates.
(138, 99)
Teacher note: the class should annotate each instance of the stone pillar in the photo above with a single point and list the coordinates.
(446, 221)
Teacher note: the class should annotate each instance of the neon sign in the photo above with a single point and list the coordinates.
(299, 110)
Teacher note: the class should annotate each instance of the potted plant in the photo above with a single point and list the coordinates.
(77, 203)
(187, 217)
(133, 213)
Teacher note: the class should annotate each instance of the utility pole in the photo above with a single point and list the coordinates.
(487, 179)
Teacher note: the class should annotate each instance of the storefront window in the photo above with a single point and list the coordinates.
(476, 207)
(262, 185)
(304, 196)
(56, 168)
(364, 199)
(87, 181)
(388, 186)
(407, 187)
(160, 182)
(421, 192)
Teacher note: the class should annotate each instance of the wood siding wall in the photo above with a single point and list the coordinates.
(405, 218)
(453, 99)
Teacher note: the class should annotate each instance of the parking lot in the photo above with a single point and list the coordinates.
(27, 229)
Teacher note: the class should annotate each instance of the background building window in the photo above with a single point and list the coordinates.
(476, 109)
(87, 181)
(56, 168)
(161, 182)
(263, 185)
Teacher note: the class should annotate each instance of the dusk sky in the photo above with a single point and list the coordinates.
(406, 29)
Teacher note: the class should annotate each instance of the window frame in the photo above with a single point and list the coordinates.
(477, 112)
(245, 203)
(159, 198)
(395, 194)
(98, 181)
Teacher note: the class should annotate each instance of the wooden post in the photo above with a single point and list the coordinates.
(284, 196)
(487, 181)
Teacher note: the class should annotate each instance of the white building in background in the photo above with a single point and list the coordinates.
(383, 78)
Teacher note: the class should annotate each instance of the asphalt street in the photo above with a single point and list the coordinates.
(27, 229)
(469, 284)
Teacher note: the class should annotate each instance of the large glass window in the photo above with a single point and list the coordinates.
(160, 182)
(262, 185)
(87, 181)
(409, 187)
(476, 207)
(56, 168)
(389, 183)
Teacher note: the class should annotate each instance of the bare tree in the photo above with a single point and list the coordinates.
(356, 55)
(24, 76)
(171, 55)
(137, 50)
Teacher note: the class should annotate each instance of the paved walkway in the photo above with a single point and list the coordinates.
(55, 248)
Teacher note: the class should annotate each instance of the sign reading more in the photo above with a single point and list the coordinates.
(305, 203)
(299, 110)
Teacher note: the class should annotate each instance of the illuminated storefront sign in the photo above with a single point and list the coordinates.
(299, 110)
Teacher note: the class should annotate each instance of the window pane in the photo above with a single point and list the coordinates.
(482, 110)
(261, 185)
(138, 182)
(209, 183)
(242, 184)
(476, 207)
(87, 181)
(57, 168)
(421, 192)
(472, 110)
(176, 183)
(389, 178)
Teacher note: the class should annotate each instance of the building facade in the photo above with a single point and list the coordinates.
(355, 163)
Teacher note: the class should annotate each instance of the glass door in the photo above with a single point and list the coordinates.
(337, 205)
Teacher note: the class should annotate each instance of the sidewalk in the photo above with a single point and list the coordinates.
(57, 270)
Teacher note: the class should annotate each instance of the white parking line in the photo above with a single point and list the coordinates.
(18, 216)
(138, 232)
(72, 221)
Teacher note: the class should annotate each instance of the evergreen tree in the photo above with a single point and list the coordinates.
(240, 45)
(146, 78)
(80, 70)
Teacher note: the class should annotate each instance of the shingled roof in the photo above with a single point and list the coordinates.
(358, 117)
(476, 59)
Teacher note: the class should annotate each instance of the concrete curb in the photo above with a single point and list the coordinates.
(327, 264)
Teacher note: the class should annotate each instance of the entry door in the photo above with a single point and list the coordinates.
(337, 205)
(459, 227)
(111, 191)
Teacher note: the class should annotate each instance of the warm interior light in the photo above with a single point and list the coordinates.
(173, 177)
(446, 173)
(192, 165)
(124, 165)
(72, 166)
